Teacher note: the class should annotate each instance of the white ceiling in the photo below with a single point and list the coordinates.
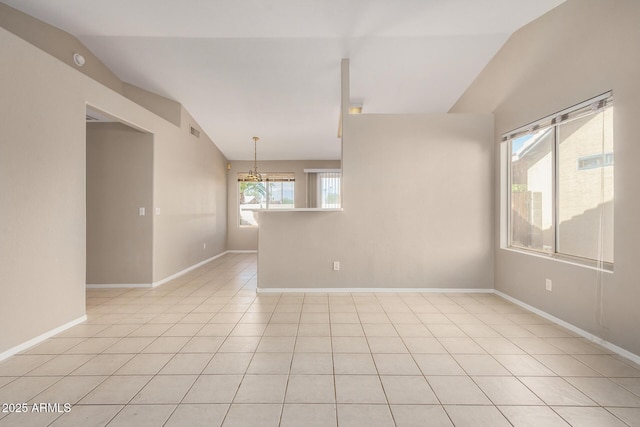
(271, 68)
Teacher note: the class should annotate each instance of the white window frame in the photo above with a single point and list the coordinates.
(314, 193)
(267, 177)
(554, 120)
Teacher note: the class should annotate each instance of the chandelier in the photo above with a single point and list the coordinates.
(253, 173)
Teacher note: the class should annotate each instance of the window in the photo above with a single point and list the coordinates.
(276, 191)
(323, 188)
(329, 189)
(595, 161)
(561, 183)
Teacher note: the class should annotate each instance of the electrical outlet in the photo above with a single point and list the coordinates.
(204, 246)
(141, 211)
(336, 265)
(548, 284)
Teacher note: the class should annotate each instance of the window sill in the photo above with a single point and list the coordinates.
(562, 259)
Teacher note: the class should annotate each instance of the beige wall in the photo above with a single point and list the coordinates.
(166, 108)
(57, 43)
(42, 189)
(246, 238)
(418, 211)
(578, 50)
(119, 182)
(62, 45)
(190, 188)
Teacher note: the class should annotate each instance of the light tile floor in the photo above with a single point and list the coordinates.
(205, 350)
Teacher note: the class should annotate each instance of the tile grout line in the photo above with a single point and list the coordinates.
(200, 288)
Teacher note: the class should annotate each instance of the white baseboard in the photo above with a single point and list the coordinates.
(596, 339)
(381, 290)
(159, 282)
(37, 340)
(242, 251)
(606, 344)
(186, 270)
(119, 285)
(581, 332)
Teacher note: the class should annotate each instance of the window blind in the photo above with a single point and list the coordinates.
(269, 177)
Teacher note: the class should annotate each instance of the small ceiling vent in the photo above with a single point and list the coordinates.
(195, 132)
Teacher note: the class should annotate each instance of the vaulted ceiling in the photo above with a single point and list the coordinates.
(271, 68)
